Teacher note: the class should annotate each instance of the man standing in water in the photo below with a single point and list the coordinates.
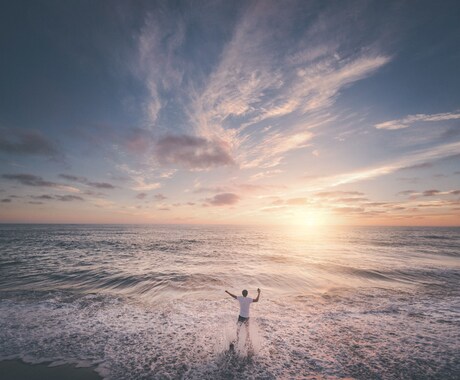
(245, 302)
(243, 317)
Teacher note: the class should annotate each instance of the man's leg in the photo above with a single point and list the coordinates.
(248, 336)
(242, 323)
(238, 328)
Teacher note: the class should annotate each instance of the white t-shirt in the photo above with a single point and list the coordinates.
(244, 305)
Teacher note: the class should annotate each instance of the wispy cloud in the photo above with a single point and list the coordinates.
(412, 119)
(224, 199)
(348, 210)
(86, 181)
(351, 200)
(427, 193)
(141, 196)
(355, 205)
(68, 198)
(142, 185)
(137, 141)
(209, 189)
(37, 181)
(158, 63)
(159, 197)
(411, 193)
(266, 174)
(142, 180)
(423, 165)
(29, 180)
(253, 80)
(28, 142)
(268, 152)
(415, 158)
(430, 193)
(250, 81)
(62, 198)
(45, 197)
(250, 87)
(338, 194)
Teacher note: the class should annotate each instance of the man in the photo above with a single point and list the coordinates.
(245, 302)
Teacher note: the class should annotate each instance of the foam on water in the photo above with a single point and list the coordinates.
(149, 303)
(378, 335)
(123, 338)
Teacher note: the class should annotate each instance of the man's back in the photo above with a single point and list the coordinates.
(244, 305)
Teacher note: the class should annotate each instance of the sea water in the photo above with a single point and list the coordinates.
(148, 302)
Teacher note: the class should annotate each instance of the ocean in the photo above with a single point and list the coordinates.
(149, 301)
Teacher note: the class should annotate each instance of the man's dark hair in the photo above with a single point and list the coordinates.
(245, 293)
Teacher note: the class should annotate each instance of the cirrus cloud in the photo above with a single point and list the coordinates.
(411, 119)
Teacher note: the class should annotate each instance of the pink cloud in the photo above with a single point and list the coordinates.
(223, 199)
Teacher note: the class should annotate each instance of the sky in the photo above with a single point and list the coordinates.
(298, 113)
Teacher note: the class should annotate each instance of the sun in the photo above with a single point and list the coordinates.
(309, 217)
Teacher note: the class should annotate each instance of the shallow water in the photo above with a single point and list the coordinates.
(148, 301)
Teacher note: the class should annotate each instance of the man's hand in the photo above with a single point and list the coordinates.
(258, 295)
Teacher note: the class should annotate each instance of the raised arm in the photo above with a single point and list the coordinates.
(230, 294)
(258, 295)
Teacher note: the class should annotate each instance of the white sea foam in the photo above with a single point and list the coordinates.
(190, 339)
(366, 315)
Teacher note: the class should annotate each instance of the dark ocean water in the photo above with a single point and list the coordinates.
(148, 302)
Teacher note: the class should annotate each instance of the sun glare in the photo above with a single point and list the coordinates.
(310, 218)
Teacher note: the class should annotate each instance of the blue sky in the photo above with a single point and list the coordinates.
(297, 112)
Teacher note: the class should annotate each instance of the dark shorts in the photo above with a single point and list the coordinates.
(242, 319)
